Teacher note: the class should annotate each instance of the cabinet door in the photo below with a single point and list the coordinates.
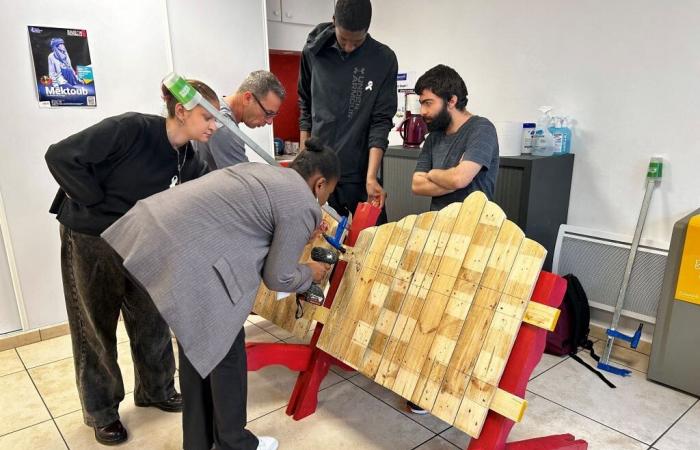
(274, 10)
(307, 12)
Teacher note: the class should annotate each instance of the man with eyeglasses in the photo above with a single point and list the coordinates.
(255, 103)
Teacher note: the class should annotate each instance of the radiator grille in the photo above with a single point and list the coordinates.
(600, 266)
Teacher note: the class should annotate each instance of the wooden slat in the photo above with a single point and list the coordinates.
(361, 289)
(542, 316)
(506, 247)
(413, 304)
(397, 245)
(526, 268)
(397, 292)
(351, 274)
(367, 320)
(508, 405)
(464, 290)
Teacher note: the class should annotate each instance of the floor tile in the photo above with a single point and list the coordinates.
(44, 436)
(438, 443)
(149, 428)
(347, 418)
(683, 435)
(21, 405)
(654, 407)
(547, 362)
(274, 330)
(398, 403)
(622, 356)
(45, 352)
(545, 418)
(10, 362)
(270, 388)
(56, 384)
(257, 334)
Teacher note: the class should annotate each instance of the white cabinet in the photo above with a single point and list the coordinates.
(305, 12)
(274, 10)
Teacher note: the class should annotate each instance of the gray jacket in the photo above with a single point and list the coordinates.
(201, 248)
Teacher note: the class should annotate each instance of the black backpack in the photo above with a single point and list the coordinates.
(573, 327)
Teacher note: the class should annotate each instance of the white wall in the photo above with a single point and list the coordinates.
(220, 42)
(288, 36)
(130, 55)
(627, 71)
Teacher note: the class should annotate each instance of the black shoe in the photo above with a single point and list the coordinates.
(112, 434)
(415, 409)
(173, 404)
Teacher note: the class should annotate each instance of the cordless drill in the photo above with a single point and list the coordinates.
(315, 294)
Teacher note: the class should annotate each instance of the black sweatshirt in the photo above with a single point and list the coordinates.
(105, 169)
(347, 100)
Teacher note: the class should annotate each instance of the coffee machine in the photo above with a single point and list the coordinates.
(413, 128)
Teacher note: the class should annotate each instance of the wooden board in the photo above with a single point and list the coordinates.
(433, 306)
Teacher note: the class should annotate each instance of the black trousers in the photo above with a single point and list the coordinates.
(96, 289)
(215, 407)
(346, 196)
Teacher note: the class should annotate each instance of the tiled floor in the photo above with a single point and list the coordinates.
(40, 409)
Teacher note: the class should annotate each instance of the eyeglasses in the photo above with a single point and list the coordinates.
(268, 114)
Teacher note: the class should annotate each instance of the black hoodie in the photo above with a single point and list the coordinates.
(347, 100)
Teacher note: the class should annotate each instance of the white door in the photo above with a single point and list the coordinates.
(307, 12)
(9, 315)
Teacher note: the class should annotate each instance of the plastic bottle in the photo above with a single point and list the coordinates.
(562, 135)
(528, 133)
(543, 141)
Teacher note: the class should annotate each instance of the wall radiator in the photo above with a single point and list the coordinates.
(598, 260)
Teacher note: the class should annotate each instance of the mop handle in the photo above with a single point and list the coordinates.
(654, 174)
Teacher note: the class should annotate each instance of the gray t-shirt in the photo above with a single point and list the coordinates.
(474, 141)
(224, 148)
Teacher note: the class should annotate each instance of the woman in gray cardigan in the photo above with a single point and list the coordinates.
(201, 250)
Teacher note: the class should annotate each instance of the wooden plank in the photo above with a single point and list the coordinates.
(414, 248)
(389, 314)
(350, 276)
(397, 244)
(475, 406)
(446, 219)
(464, 356)
(526, 269)
(470, 273)
(459, 241)
(496, 348)
(321, 314)
(361, 289)
(355, 350)
(506, 247)
(542, 316)
(508, 405)
(413, 304)
(434, 307)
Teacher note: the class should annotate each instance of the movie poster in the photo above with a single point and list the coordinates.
(62, 67)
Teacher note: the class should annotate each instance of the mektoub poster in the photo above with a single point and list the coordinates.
(62, 67)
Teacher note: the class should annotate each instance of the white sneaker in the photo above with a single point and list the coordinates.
(267, 443)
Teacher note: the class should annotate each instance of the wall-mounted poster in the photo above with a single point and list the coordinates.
(62, 67)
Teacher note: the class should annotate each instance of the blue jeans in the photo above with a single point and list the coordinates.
(97, 288)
